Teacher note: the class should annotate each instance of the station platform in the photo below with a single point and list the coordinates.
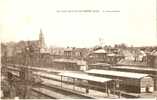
(49, 93)
(77, 90)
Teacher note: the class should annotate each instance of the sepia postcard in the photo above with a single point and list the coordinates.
(78, 49)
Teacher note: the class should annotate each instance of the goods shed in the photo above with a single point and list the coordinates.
(130, 82)
(138, 69)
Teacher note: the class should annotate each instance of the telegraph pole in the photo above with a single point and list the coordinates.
(25, 71)
(117, 86)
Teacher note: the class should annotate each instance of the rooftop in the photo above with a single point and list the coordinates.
(117, 73)
(85, 77)
(135, 68)
(101, 64)
(100, 51)
(79, 62)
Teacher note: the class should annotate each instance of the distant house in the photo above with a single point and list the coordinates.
(68, 52)
(133, 55)
(97, 56)
(76, 53)
(139, 55)
(100, 55)
(104, 56)
(57, 51)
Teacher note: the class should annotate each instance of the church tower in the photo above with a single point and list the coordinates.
(41, 40)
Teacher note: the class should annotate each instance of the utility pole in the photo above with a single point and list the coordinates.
(117, 86)
(25, 71)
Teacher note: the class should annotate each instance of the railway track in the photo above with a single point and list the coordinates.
(58, 93)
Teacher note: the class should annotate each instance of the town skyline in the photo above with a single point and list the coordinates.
(132, 25)
(98, 41)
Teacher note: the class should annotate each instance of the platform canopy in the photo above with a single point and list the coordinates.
(135, 68)
(85, 77)
(117, 73)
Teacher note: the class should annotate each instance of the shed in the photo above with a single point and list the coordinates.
(131, 82)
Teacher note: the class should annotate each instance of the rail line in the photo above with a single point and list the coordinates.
(58, 93)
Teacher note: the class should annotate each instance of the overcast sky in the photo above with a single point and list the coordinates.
(133, 24)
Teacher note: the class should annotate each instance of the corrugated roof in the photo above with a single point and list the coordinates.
(85, 77)
(117, 73)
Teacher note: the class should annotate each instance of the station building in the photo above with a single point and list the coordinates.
(129, 82)
(70, 64)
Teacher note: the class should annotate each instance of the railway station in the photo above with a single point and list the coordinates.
(31, 71)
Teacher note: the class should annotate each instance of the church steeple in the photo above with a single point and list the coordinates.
(41, 39)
